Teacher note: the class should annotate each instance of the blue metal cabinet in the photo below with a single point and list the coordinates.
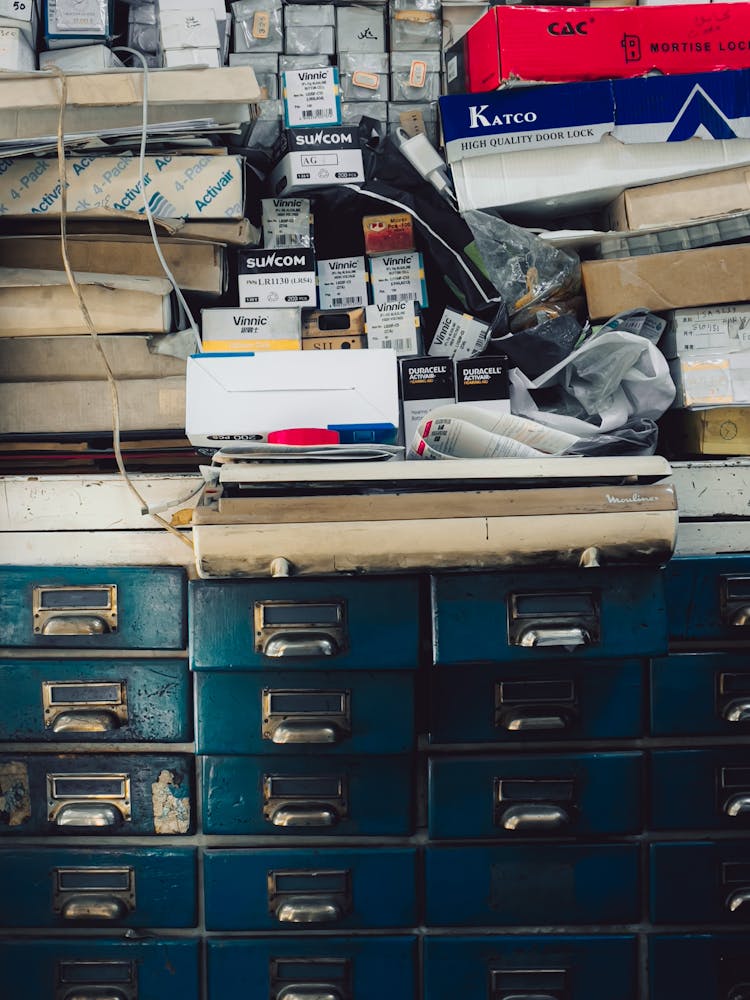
(533, 795)
(96, 794)
(278, 713)
(700, 789)
(569, 615)
(104, 608)
(701, 883)
(514, 703)
(347, 968)
(121, 701)
(532, 885)
(699, 966)
(310, 889)
(701, 694)
(312, 796)
(107, 887)
(301, 624)
(66, 969)
(708, 597)
(522, 968)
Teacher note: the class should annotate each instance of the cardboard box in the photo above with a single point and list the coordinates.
(668, 280)
(153, 404)
(339, 323)
(16, 55)
(719, 430)
(57, 359)
(235, 397)
(426, 383)
(191, 187)
(687, 200)
(277, 279)
(355, 343)
(240, 329)
(82, 59)
(708, 380)
(557, 44)
(484, 382)
(342, 283)
(395, 326)
(714, 329)
(398, 277)
(37, 303)
(311, 157)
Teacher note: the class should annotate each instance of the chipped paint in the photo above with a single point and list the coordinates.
(15, 801)
(170, 801)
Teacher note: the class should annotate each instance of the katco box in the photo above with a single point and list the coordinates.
(311, 157)
(277, 279)
(661, 281)
(189, 187)
(236, 397)
(557, 44)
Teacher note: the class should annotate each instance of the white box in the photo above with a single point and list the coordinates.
(311, 97)
(459, 336)
(16, 55)
(276, 279)
(710, 380)
(222, 18)
(192, 57)
(189, 29)
(342, 283)
(221, 328)
(81, 59)
(398, 277)
(717, 329)
(311, 157)
(394, 326)
(239, 397)
(360, 29)
(19, 10)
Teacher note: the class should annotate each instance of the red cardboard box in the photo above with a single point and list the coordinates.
(565, 44)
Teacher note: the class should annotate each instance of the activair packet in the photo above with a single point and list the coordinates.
(314, 157)
(188, 187)
(484, 382)
(277, 279)
(425, 383)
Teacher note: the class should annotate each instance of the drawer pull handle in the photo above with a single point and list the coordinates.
(310, 645)
(286, 816)
(517, 722)
(534, 637)
(311, 992)
(741, 617)
(534, 817)
(98, 995)
(88, 908)
(86, 722)
(305, 732)
(738, 900)
(738, 805)
(75, 625)
(737, 711)
(308, 911)
(87, 814)
(527, 996)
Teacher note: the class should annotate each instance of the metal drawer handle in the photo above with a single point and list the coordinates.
(534, 817)
(738, 805)
(85, 995)
(75, 625)
(738, 900)
(296, 645)
(521, 722)
(308, 911)
(86, 722)
(90, 908)
(301, 816)
(534, 637)
(527, 996)
(87, 814)
(741, 617)
(737, 711)
(305, 732)
(311, 992)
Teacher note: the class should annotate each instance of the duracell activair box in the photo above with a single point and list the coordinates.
(425, 384)
(484, 382)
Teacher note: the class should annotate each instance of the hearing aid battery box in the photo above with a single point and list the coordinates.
(248, 329)
(426, 383)
(484, 382)
(315, 157)
(342, 283)
(277, 279)
(398, 277)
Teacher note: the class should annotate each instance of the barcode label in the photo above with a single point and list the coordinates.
(396, 345)
(346, 303)
(400, 297)
(312, 114)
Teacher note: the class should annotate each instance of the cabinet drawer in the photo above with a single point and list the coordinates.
(701, 883)
(76, 608)
(532, 885)
(143, 887)
(533, 795)
(539, 701)
(95, 700)
(530, 968)
(700, 966)
(100, 969)
(337, 967)
(303, 624)
(700, 789)
(700, 694)
(531, 616)
(308, 796)
(708, 597)
(283, 713)
(97, 794)
(310, 889)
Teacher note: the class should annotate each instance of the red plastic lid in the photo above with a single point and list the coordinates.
(304, 435)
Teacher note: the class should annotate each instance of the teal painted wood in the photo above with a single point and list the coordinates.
(376, 793)
(163, 881)
(160, 800)
(700, 694)
(699, 966)
(365, 968)
(356, 888)
(595, 699)
(99, 967)
(471, 614)
(157, 693)
(230, 716)
(494, 797)
(589, 968)
(700, 789)
(150, 606)
(700, 882)
(382, 623)
(542, 885)
(696, 586)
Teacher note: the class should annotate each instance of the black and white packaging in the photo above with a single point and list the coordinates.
(276, 279)
(484, 382)
(311, 157)
(426, 383)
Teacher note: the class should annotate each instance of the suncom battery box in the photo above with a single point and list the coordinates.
(276, 279)
(314, 157)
